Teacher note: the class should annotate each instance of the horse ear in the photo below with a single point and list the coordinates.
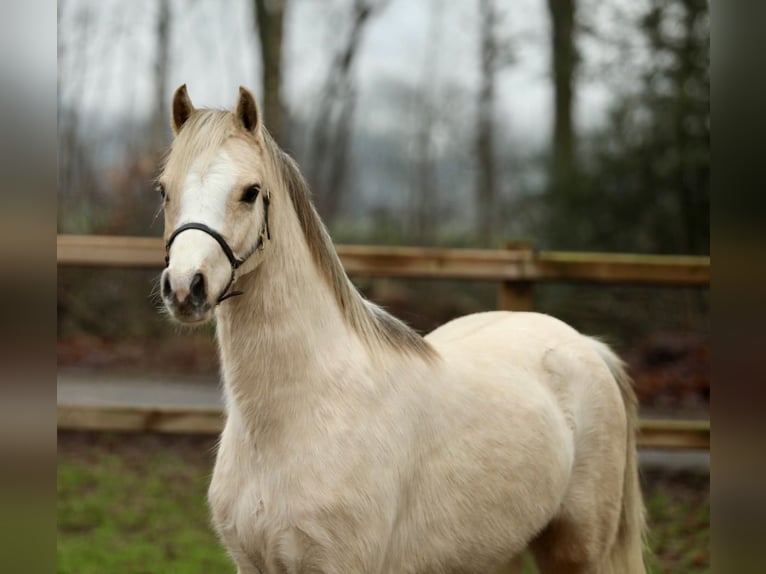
(247, 111)
(182, 108)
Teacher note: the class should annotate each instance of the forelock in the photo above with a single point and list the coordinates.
(199, 140)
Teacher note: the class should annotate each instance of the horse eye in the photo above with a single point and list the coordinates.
(251, 193)
(161, 189)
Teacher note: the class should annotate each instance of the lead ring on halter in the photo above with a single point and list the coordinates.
(234, 261)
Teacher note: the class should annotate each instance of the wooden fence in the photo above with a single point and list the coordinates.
(516, 269)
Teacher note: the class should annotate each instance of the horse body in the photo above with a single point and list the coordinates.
(353, 445)
(476, 451)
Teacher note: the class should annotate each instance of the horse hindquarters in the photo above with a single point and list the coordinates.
(600, 527)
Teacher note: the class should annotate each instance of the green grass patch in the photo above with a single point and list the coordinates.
(135, 510)
(136, 504)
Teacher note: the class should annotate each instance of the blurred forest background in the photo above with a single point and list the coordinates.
(571, 124)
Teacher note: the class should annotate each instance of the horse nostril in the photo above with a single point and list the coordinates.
(166, 291)
(197, 289)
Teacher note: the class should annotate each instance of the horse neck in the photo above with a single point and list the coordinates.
(276, 340)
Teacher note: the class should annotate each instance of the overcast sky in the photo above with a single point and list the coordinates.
(107, 58)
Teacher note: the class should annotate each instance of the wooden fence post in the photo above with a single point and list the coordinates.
(517, 295)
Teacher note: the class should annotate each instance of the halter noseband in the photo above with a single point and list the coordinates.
(234, 261)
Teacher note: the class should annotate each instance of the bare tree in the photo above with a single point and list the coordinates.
(564, 64)
(268, 25)
(495, 53)
(425, 181)
(74, 168)
(485, 148)
(161, 65)
(332, 134)
(426, 200)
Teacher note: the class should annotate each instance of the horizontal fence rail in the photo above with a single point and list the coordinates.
(666, 434)
(516, 269)
(513, 264)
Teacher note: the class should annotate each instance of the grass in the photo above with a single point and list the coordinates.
(136, 505)
(125, 509)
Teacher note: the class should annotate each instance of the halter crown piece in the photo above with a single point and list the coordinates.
(234, 261)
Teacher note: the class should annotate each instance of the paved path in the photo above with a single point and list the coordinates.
(87, 388)
(98, 389)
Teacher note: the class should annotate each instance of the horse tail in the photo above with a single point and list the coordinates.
(626, 555)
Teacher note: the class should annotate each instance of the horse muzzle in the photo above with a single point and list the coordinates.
(186, 296)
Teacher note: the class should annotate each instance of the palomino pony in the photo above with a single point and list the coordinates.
(354, 445)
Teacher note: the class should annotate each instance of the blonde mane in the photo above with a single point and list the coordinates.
(202, 135)
(371, 322)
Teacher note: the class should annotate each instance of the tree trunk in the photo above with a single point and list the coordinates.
(695, 239)
(425, 184)
(332, 134)
(269, 22)
(161, 119)
(425, 205)
(338, 161)
(485, 147)
(73, 167)
(564, 63)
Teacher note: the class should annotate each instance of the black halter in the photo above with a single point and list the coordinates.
(234, 261)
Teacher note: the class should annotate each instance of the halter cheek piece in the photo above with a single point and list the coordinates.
(234, 261)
